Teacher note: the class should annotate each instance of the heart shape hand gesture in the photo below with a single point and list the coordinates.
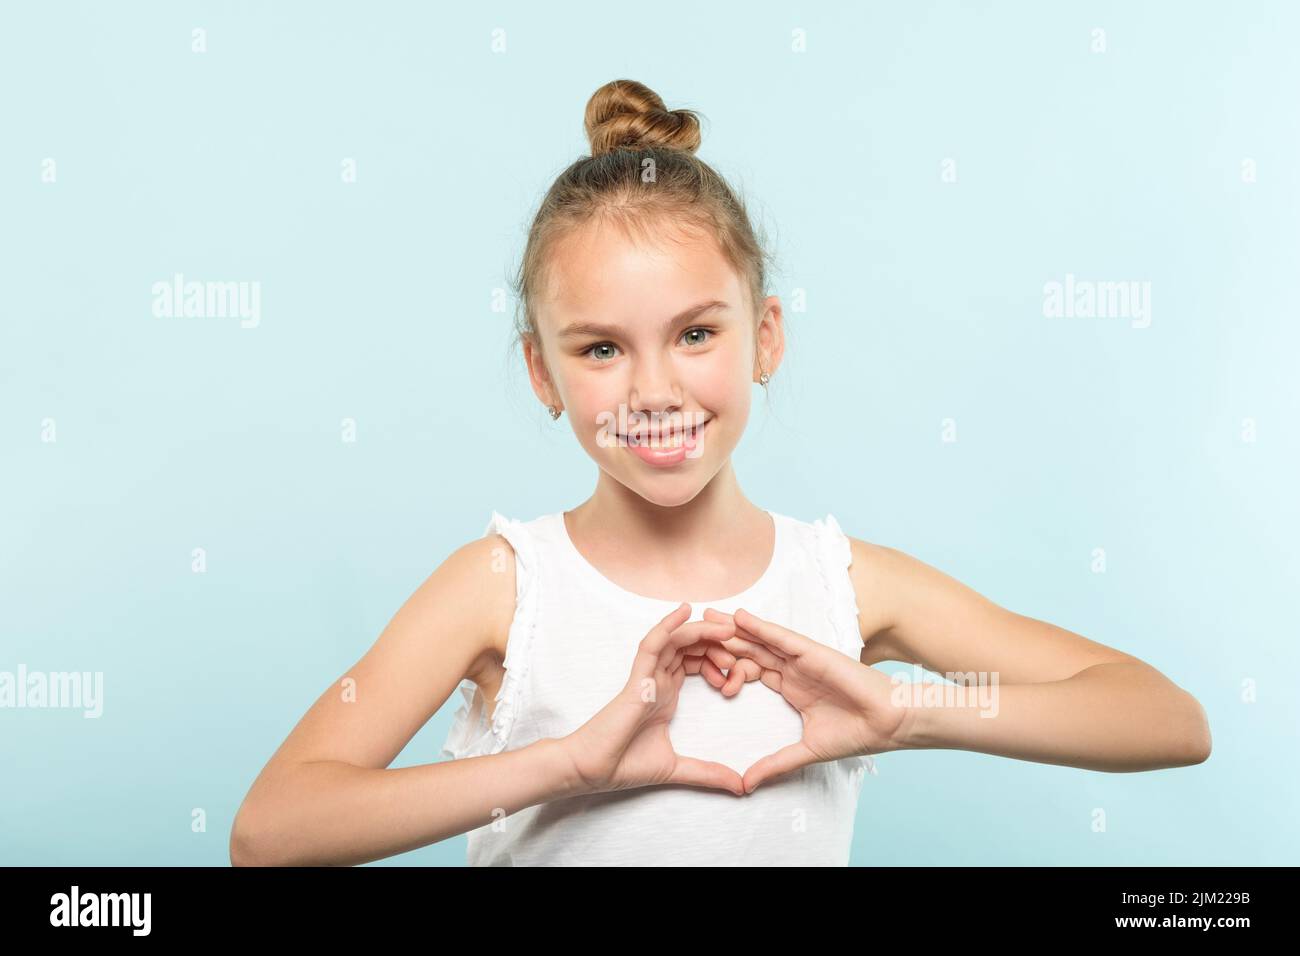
(847, 707)
(626, 744)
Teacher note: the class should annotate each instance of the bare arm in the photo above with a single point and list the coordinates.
(327, 797)
(1059, 698)
(1118, 717)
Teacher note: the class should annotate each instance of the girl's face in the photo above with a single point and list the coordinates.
(651, 343)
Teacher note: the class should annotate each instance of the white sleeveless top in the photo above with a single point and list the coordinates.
(569, 652)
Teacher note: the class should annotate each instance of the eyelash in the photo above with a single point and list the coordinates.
(698, 328)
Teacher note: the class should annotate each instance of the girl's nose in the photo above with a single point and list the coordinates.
(654, 388)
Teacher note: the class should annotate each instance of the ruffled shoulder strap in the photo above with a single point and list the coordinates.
(473, 731)
(834, 556)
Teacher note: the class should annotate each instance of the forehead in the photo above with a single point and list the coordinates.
(600, 268)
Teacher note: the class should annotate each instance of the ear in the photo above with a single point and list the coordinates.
(769, 343)
(538, 375)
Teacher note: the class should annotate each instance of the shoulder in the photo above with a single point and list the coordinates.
(907, 596)
(891, 586)
(872, 567)
(478, 578)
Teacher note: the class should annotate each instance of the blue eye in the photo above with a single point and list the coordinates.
(610, 345)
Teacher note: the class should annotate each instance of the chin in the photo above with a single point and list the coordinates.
(666, 489)
(668, 500)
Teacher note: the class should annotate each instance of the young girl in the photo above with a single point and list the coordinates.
(571, 636)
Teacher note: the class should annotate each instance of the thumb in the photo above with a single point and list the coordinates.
(706, 773)
(788, 758)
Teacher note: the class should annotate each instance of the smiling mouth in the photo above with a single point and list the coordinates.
(666, 439)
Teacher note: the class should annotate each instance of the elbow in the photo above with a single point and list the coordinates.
(1198, 739)
(241, 846)
(246, 848)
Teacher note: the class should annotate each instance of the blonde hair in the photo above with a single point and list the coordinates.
(642, 173)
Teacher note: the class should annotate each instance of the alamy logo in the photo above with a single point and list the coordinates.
(197, 300)
(660, 431)
(73, 690)
(968, 689)
(1087, 299)
(102, 909)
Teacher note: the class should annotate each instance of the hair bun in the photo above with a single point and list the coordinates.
(625, 114)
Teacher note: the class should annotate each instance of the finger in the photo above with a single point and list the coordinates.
(708, 666)
(751, 669)
(714, 652)
(785, 760)
(687, 634)
(742, 672)
(695, 632)
(735, 681)
(714, 660)
(720, 656)
(660, 633)
(781, 639)
(706, 773)
(690, 658)
(730, 683)
(658, 648)
(744, 647)
(711, 673)
(713, 614)
(771, 679)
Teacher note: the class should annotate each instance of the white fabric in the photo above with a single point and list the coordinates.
(570, 651)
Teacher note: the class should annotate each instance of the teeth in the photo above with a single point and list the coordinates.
(673, 440)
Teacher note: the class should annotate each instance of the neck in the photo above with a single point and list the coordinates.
(703, 526)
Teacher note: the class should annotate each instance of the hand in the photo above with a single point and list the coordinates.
(626, 743)
(847, 707)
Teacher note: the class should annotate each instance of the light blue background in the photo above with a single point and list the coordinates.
(924, 303)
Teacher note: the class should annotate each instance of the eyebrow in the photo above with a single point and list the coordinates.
(587, 328)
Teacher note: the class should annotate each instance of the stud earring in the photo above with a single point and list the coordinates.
(555, 412)
(764, 379)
